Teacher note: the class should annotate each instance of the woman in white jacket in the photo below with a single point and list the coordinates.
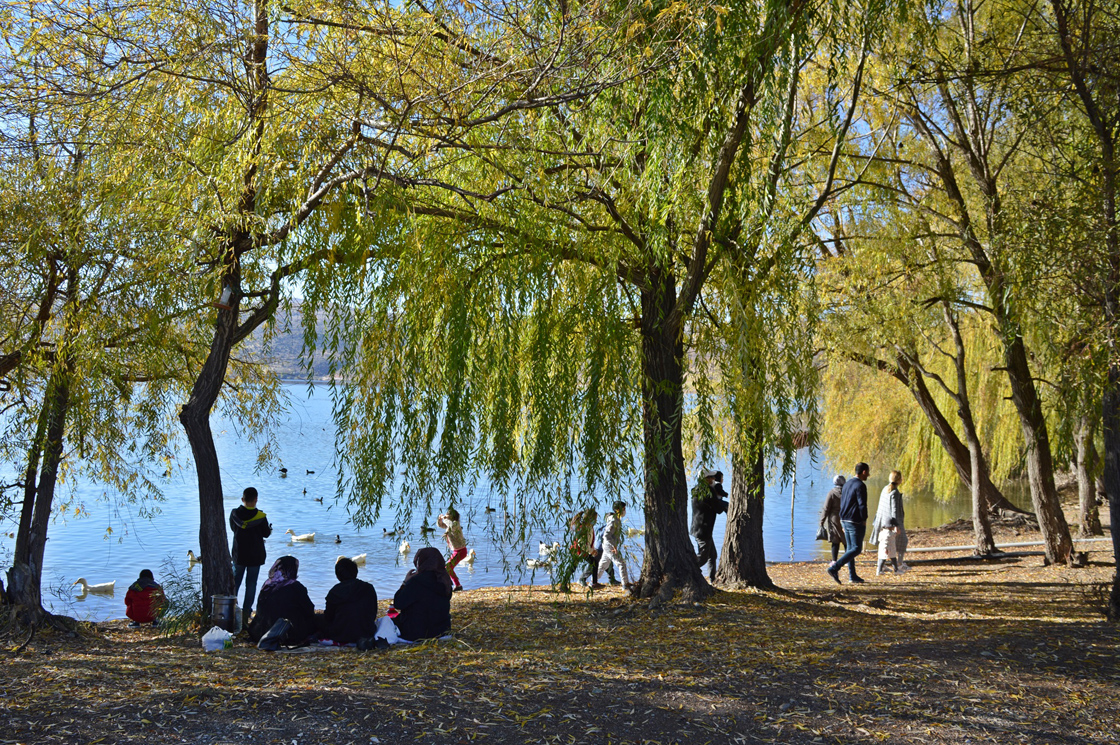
(892, 514)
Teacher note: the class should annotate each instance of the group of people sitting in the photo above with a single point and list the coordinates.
(421, 607)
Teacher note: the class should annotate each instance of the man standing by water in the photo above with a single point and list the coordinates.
(250, 528)
(707, 502)
(853, 516)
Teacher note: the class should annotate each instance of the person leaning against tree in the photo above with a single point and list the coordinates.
(853, 516)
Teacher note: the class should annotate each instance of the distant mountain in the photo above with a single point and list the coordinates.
(285, 343)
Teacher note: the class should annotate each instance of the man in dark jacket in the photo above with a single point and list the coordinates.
(707, 502)
(853, 516)
(250, 528)
(351, 612)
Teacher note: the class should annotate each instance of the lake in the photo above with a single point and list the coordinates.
(85, 547)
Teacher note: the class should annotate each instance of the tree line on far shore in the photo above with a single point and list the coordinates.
(518, 232)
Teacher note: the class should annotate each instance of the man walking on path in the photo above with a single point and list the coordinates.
(707, 502)
(853, 516)
(250, 528)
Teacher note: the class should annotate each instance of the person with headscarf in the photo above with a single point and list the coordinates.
(423, 602)
(283, 596)
(144, 602)
(889, 528)
(830, 517)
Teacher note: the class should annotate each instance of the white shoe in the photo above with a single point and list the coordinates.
(903, 567)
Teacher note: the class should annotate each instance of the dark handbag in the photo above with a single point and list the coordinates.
(275, 636)
(822, 534)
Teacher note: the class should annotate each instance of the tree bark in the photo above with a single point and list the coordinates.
(217, 571)
(1090, 517)
(670, 562)
(1112, 479)
(742, 560)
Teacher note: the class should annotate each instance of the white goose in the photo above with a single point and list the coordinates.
(305, 538)
(405, 547)
(470, 557)
(634, 532)
(538, 563)
(548, 551)
(105, 588)
(360, 559)
(192, 559)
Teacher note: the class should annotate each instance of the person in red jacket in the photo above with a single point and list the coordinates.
(144, 600)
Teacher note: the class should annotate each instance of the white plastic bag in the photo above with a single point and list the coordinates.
(217, 638)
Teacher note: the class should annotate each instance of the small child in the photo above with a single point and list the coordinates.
(612, 541)
(887, 549)
(453, 534)
(144, 600)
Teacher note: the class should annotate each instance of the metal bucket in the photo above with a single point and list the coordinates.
(224, 614)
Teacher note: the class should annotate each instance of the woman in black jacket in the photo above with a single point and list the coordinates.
(351, 612)
(423, 602)
(283, 596)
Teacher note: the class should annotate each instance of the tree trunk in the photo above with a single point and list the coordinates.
(217, 571)
(1111, 409)
(742, 561)
(670, 562)
(26, 579)
(1090, 517)
(1040, 466)
(958, 453)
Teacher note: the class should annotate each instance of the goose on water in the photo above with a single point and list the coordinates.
(470, 557)
(386, 533)
(192, 559)
(537, 563)
(360, 559)
(547, 551)
(305, 538)
(405, 547)
(338, 539)
(105, 588)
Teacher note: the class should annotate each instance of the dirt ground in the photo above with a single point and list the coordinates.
(954, 652)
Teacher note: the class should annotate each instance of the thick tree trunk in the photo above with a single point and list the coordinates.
(217, 571)
(1090, 517)
(1112, 478)
(742, 561)
(1040, 466)
(670, 562)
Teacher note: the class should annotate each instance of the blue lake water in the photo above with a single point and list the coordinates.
(84, 547)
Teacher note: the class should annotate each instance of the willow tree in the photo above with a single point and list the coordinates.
(86, 312)
(255, 115)
(958, 99)
(544, 331)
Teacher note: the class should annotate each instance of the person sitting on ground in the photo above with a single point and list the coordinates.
(423, 603)
(144, 602)
(351, 612)
(283, 596)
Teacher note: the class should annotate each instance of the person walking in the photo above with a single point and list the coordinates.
(830, 517)
(891, 516)
(250, 528)
(707, 502)
(853, 516)
(612, 545)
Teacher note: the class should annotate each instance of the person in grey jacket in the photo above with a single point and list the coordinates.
(830, 517)
(892, 514)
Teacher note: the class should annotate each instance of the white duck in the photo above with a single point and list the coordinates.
(192, 559)
(548, 551)
(537, 563)
(360, 559)
(105, 588)
(470, 557)
(405, 547)
(305, 538)
(635, 532)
